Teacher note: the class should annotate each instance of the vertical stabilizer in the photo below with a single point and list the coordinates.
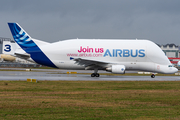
(21, 37)
(29, 45)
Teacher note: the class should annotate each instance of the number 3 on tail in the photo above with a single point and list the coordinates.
(7, 48)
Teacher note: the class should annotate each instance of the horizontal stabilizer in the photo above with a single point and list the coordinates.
(24, 56)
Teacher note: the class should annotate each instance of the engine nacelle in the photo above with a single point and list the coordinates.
(118, 69)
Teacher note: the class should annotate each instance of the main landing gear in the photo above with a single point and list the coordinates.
(95, 74)
(153, 75)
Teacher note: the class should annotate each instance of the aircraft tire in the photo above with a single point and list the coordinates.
(97, 75)
(93, 75)
(153, 76)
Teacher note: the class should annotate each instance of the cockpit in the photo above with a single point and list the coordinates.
(170, 65)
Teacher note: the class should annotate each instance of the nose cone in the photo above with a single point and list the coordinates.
(168, 69)
(174, 69)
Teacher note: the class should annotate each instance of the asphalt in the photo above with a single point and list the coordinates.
(53, 75)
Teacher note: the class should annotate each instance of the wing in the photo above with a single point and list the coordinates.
(90, 64)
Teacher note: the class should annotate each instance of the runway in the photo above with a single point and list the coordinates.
(53, 74)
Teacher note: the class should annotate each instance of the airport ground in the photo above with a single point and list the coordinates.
(82, 75)
(90, 100)
(106, 97)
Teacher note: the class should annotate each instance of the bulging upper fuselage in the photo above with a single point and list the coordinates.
(134, 54)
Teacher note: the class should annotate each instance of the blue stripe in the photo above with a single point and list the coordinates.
(29, 46)
(39, 57)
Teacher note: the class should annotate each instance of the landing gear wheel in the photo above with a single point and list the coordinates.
(93, 75)
(97, 75)
(152, 76)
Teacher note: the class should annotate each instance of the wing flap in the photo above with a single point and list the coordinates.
(90, 64)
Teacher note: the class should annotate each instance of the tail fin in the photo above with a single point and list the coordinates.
(21, 37)
(29, 45)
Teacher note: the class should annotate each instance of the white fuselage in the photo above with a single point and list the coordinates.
(133, 54)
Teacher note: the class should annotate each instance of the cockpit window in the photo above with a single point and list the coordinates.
(170, 66)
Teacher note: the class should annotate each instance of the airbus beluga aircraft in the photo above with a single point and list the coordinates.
(115, 56)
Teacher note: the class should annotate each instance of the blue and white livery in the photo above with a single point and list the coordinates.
(28, 45)
(115, 56)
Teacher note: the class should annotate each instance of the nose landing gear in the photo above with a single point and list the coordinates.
(153, 76)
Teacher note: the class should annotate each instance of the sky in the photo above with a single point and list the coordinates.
(54, 20)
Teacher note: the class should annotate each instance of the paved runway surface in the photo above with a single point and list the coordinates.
(51, 74)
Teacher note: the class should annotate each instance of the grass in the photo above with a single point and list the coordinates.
(90, 100)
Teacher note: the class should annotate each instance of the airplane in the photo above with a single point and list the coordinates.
(113, 55)
(4, 57)
(8, 50)
(175, 61)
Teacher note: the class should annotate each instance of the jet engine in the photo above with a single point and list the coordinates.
(117, 69)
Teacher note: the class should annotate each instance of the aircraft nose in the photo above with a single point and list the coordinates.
(175, 69)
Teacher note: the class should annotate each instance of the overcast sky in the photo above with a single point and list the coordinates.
(54, 20)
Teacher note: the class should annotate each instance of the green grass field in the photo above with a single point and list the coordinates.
(89, 100)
